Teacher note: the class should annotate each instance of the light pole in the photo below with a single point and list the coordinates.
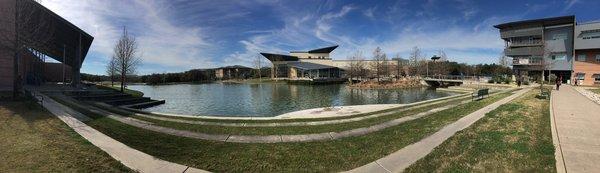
(433, 58)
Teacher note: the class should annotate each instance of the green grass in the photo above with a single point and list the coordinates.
(516, 137)
(307, 119)
(214, 129)
(323, 156)
(33, 140)
(597, 91)
(134, 93)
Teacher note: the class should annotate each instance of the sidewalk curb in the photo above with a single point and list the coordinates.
(558, 154)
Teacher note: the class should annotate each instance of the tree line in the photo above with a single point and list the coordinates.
(379, 66)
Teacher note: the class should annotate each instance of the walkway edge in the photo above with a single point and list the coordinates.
(132, 158)
(403, 158)
(558, 155)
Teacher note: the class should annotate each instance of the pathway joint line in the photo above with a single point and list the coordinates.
(383, 167)
(403, 158)
(130, 157)
(560, 160)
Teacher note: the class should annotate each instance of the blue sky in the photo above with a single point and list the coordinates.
(179, 35)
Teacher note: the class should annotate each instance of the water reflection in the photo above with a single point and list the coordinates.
(271, 99)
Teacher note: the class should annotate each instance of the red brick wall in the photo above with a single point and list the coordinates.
(53, 72)
(589, 67)
(6, 55)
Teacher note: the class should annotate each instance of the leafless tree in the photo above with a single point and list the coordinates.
(111, 70)
(24, 25)
(379, 63)
(357, 65)
(258, 66)
(544, 63)
(125, 53)
(416, 61)
(504, 61)
(399, 65)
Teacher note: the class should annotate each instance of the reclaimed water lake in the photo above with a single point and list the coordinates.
(271, 99)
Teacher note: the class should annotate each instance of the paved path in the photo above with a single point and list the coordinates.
(287, 124)
(577, 126)
(314, 113)
(128, 156)
(401, 159)
(268, 138)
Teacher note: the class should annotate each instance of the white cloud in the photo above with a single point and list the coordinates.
(569, 4)
(161, 42)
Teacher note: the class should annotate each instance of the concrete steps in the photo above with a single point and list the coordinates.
(145, 104)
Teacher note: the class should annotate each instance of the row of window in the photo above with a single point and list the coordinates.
(320, 57)
(581, 77)
(583, 57)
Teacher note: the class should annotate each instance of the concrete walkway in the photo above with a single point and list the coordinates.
(268, 138)
(343, 111)
(403, 158)
(128, 156)
(287, 124)
(577, 126)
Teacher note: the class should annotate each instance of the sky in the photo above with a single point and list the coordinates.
(179, 35)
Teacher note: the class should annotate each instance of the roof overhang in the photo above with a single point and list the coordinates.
(279, 57)
(65, 40)
(543, 22)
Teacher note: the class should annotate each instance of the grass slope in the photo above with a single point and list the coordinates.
(323, 156)
(516, 137)
(33, 140)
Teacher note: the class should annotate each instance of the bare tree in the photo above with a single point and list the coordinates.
(544, 63)
(415, 60)
(504, 61)
(356, 66)
(24, 25)
(125, 53)
(379, 63)
(399, 65)
(258, 66)
(111, 70)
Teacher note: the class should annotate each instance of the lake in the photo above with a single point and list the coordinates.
(271, 99)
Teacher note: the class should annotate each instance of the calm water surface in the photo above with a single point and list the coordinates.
(219, 99)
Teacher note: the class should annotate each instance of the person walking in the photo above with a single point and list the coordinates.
(558, 82)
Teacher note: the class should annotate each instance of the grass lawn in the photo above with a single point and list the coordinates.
(33, 140)
(322, 156)
(516, 137)
(134, 93)
(214, 129)
(597, 90)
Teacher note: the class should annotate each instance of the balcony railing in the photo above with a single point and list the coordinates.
(520, 51)
(536, 31)
(527, 61)
(522, 43)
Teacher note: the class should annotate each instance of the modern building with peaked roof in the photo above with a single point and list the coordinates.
(312, 65)
(309, 65)
(43, 34)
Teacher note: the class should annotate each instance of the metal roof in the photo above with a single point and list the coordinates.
(278, 57)
(318, 50)
(309, 66)
(544, 21)
(66, 36)
(235, 66)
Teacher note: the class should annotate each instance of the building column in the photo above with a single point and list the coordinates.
(76, 66)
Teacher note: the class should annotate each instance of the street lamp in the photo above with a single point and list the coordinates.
(433, 58)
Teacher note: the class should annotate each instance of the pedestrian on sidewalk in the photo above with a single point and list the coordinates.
(558, 82)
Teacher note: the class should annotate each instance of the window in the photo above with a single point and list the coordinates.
(581, 57)
(309, 57)
(597, 57)
(580, 76)
(559, 57)
(597, 78)
(559, 36)
(590, 34)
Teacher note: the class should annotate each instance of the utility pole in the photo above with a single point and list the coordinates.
(63, 64)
